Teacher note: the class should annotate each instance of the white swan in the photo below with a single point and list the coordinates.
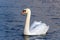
(37, 28)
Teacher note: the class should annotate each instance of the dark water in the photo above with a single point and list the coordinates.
(12, 22)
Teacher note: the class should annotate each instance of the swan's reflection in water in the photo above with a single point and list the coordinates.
(43, 37)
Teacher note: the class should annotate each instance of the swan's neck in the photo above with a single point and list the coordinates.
(27, 24)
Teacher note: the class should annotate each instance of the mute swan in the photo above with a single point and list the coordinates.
(37, 28)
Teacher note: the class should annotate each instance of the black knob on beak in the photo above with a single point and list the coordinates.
(23, 12)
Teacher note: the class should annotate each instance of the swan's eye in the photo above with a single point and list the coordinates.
(24, 10)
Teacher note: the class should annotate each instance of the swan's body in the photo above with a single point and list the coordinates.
(37, 28)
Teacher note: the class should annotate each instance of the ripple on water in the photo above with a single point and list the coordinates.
(55, 18)
(13, 21)
(19, 25)
(58, 23)
(33, 15)
(50, 15)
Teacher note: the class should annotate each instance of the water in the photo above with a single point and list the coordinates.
(12, 22)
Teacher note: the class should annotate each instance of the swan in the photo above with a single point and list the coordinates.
(37, 27)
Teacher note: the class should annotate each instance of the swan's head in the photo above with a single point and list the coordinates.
(26, 11)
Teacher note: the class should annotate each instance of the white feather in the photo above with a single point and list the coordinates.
(38, 28)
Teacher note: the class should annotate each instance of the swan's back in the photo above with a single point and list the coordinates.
(38, 28)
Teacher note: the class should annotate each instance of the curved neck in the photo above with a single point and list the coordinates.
(27, 24)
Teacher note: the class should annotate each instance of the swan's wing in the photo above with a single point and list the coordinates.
(39, 28)
(34, 24)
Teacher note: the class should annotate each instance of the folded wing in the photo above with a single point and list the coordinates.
(38, 28)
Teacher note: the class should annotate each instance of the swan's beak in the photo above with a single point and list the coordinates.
(23, 12)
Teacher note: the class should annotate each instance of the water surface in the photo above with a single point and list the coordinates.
(12, 22)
